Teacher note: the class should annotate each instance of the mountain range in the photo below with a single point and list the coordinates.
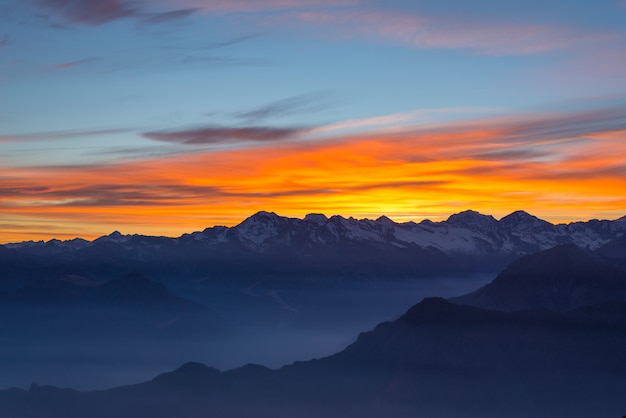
(544, 339)
(268, 246)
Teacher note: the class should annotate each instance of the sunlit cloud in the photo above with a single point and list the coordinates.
(394, 120)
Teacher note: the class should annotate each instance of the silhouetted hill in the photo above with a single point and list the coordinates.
(561, 278)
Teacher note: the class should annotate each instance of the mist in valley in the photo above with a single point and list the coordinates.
(272, 323)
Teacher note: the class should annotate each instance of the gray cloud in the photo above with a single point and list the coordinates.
(575, 124)
(224, 135)
(523, 154)
(89, 12)
(303, 104)
(533, 129)
(100, 12)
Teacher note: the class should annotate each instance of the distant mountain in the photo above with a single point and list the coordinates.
(267, 246)
(130, 292)
(135, 291)
(437, 360)
(615, 248)
(81, 312)
(561, 278)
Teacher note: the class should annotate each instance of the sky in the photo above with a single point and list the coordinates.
(164, 117)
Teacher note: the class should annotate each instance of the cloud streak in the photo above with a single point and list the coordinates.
(224, 135)
(43, 136)
(72, 64)
(100, 12)
(303, 104)
(171, 16)
(88, 12)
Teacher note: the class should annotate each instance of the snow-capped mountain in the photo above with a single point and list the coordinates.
(269, 245)
(467, 232)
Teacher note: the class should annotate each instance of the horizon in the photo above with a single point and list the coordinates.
(371, 218)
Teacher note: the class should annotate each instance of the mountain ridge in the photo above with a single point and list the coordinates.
(273, 247)
(465, 217)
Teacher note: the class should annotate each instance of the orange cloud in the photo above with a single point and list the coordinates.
(558, 166)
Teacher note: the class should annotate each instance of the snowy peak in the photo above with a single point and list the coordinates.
(383, 220)
(472, 220)
(263, 216)
(523, 220)
(260, 227)
(316, 218)
(114, 237)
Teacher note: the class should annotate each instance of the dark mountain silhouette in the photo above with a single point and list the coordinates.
(561, 278)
